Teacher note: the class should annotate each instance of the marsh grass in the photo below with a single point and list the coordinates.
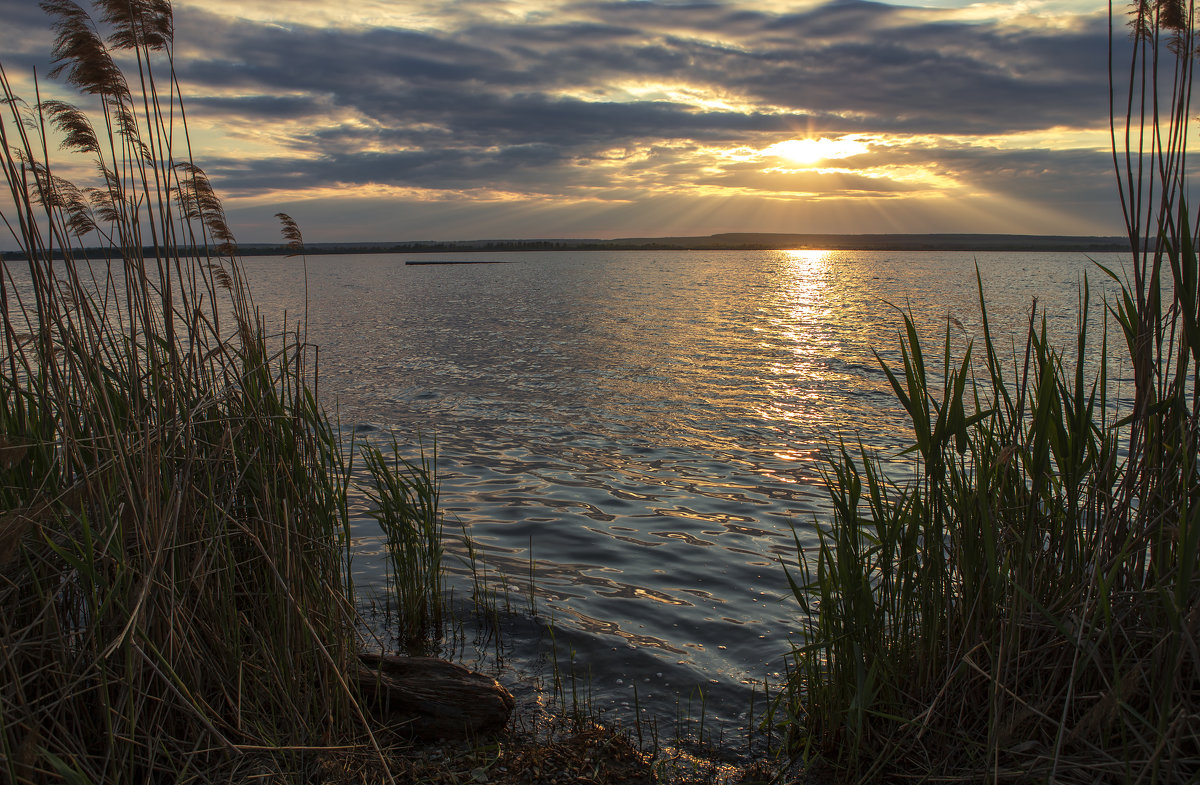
(405, 499)
(174, 534)
(1028, 607)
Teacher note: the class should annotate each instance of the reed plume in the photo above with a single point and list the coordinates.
(173, 565)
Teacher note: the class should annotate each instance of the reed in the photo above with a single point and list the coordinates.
(1028, 607)
(173, 564)
(405, 500)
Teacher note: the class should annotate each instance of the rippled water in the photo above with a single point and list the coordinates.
(644, 427)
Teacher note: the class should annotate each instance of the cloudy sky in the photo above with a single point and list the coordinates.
(418, 119)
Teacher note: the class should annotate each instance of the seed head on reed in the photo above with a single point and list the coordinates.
(138, 24)
(58, 193)
(73, 124)
(291, 232)
(1172, 14)
(1146, 17)
(106, 203)
(200, 202)
(81, 53)
(125, 123)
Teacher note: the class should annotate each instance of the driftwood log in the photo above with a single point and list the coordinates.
(433, 698)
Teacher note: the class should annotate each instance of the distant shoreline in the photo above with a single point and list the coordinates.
(715, 242)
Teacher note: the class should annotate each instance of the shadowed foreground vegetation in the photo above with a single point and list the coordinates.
(1028, 608)
(173, 574)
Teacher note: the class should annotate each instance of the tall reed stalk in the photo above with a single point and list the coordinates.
(1028, 608)
(173, 572)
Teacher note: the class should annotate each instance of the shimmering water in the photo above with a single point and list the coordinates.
(644, 428)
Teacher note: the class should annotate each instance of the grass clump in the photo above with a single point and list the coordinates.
(405, 501)
(173, 565)
(1028, 607)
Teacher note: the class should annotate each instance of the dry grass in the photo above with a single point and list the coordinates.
(559, 751)
(172, 551)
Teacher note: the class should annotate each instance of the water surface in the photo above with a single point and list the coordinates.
(645, 429)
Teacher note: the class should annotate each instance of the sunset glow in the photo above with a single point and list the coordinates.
(811, 151)
(438, 120)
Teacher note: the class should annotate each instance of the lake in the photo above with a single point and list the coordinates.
(638, 435)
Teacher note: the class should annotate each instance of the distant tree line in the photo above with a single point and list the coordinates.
(726, 242)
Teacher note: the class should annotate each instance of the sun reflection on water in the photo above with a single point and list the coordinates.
(797, 330)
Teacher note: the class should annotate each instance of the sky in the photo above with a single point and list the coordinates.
(408, 120)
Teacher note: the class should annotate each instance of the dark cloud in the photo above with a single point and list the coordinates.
(26, 25)
(276, 107)
(536, 106)
(529, 167)
(25, 38)
(1032, 174)
(849, 59)
(498, 120)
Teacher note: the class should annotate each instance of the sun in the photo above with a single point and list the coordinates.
(807, 152)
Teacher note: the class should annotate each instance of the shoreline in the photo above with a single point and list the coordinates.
(958, 242)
